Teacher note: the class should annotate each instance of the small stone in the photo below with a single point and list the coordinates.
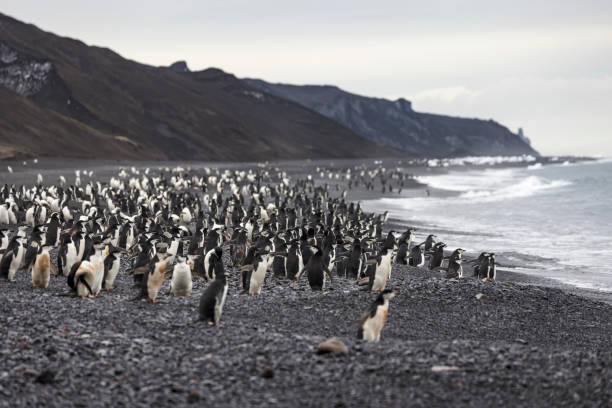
(267, 373)
(481, 296)
(332, 345)
(46, 377)
(193, 397)
(442, 368)
(30, 372)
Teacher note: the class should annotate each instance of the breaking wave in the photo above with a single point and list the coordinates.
(524, 188)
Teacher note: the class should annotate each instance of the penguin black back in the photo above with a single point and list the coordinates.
(213, 297)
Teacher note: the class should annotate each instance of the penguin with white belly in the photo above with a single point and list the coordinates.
(210, 259)
(112, 261)
(254, 274)
(75, 248)
(86, 280)
(153, 281)
(38, 260)
(4, 239)
(181, 283)
(5, 213)
(382, 271)
(373, 320)
(41, 268)
(13, 258)
(485, 266)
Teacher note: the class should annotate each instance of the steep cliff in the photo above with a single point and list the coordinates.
(396, 124)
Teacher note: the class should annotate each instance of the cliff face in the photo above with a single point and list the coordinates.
(396, 124)
(149, 112)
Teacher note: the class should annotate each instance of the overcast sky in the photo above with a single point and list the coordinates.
(542, 65)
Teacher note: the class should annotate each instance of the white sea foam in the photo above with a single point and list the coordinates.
(524, 188)
(491, 185)
(470, 180)
(535, 166)
(480, 160)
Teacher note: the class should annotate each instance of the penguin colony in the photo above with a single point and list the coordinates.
(175, 225)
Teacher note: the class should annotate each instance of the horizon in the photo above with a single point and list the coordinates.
(451, 66)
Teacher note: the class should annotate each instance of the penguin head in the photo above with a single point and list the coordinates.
(97, 241)
(161, 247)
(21, 231)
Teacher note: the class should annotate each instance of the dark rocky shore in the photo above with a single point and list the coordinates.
(520, 345)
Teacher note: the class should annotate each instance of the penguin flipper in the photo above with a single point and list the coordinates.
(5, 265)
(246, 268)
(30, 257)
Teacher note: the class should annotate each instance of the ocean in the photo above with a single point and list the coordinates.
(553, 221)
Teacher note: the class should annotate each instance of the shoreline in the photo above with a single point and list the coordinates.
(104, 169)
(504, 275)
(509, 271)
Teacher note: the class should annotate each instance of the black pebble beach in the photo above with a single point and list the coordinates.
(520, 345)
(514, 345)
